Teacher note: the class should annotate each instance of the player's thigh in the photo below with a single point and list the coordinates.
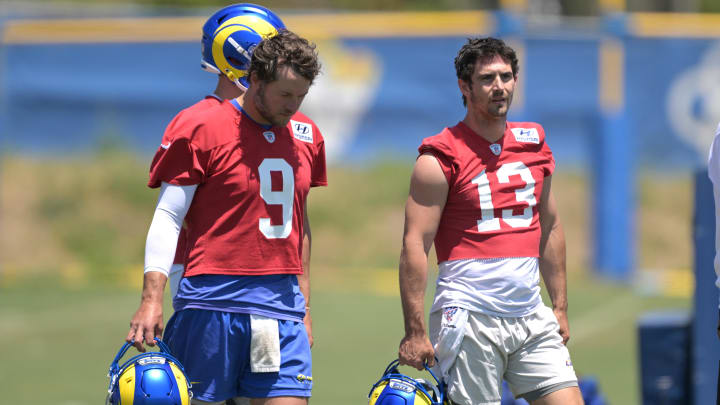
(294, 378)
(210, 345)
(476, 375)
(543, 364)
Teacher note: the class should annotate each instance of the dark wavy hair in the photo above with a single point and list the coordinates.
(284, 49)
(483, 50)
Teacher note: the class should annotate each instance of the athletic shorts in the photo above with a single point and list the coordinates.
(228, 355)
(477, 351)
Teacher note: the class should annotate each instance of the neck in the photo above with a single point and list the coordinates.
(489, 128)
(247, 103)
(226, 89)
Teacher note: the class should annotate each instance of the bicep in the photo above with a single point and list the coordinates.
(426, 200)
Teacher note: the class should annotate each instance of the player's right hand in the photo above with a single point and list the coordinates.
(146, 324)
(416, 351)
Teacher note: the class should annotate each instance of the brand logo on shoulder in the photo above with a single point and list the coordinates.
(528, 135)
(269, 136)
(165, 145)
(302, 131)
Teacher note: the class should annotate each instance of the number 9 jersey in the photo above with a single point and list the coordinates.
(246, 217)
(494, 191)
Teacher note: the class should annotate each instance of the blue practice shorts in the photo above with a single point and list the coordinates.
(214, 349)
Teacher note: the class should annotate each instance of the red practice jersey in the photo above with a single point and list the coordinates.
(246, 217)
(494, 191)
(202, 105)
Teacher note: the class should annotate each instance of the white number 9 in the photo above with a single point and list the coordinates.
(284, 197)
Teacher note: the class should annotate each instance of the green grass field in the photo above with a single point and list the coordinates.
(72, 242)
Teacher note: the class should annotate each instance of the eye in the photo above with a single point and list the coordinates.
(486, 78)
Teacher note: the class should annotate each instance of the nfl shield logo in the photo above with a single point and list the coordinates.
(496, 149)
(269, 136)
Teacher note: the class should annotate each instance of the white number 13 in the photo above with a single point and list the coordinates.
(284, 197)
(525, 194)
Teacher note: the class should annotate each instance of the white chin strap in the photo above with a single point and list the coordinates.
(208, 67)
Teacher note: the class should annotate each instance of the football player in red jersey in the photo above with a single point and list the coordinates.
(246, 24)
(238, 174)
(480, 190)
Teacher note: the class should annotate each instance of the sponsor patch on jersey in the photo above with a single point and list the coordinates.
(302, 131)
(496, 149)
(269, 136)
(528, 135)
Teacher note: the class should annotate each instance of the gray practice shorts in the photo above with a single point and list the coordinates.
(476, 351)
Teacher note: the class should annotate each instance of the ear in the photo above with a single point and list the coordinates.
(464, 88)
(253, 79)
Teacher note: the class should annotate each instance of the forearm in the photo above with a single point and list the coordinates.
(153, 287)
(304, 278)
(413, 282)
(552, 267)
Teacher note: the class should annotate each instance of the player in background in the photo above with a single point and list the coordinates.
(481, 191)
(246, 24)
(238, 174)
(714, 174)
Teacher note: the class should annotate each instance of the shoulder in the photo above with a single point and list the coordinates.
(208, 126)
(527, 132)
(204, 104)
(303, 129)
(444, 142)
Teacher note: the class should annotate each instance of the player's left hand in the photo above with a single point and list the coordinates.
(308, 326)
(562, 319)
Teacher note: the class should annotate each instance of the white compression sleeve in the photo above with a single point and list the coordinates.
(162, 237)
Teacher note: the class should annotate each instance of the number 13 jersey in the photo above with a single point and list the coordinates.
(494, 191)
(246, 217)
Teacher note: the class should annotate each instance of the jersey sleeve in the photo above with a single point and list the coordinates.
(178, 161)
(319, 166)
(549, 168)
(442, 153)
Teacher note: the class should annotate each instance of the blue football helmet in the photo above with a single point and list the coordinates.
(395, 388)
(152, 378)
(231, 34)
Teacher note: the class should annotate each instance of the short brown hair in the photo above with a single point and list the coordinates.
(284, 49)
(483, 50)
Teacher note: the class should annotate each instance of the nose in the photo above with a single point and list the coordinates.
(497, 83)
(293, 105)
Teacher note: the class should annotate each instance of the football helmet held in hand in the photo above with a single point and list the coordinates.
(395, 388)
(153, 378)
